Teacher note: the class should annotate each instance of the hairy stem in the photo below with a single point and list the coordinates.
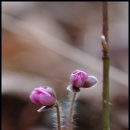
(58, 116)
(106, 63)
(71, 111)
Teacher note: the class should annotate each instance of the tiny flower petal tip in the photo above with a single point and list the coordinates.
(45, 108)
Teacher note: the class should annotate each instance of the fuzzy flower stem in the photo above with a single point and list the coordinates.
(106, 60)
(71, 111)
(58, 115)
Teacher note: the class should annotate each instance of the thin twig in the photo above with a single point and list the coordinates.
(106, 63)
(105, 20)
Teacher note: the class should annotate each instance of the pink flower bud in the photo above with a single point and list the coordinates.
(43, 96)
(78, 78)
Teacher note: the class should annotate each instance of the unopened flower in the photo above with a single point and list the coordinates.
(44, 97)
(80, 79)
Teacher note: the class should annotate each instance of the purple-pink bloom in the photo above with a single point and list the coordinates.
(78, 78)
(43, 96)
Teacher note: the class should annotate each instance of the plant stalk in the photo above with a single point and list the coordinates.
(106, 60)
(71, 111)
(58, 116)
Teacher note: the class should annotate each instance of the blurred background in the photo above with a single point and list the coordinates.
(43, 42)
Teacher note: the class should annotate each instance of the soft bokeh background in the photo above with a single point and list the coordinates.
(43, 42)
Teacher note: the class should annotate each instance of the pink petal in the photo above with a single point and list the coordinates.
(46, 100)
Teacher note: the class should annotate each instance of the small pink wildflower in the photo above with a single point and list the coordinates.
(80, 79)
(44, 97)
